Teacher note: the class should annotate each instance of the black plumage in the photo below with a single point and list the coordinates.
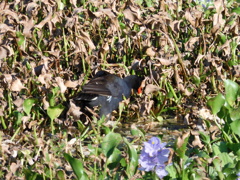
(107, 90)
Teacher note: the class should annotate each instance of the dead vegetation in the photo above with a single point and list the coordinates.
(49, 49)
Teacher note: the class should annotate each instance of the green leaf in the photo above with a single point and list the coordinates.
(172, 171)
(18, 116)
(139, 2)
(236, 10)
(219, 148)
(60, 175)
(136, 132)
(223, 38)
(225, 158)
(205, 138)
(235, 114)
(216, 103)
(235, 147)
(231, 89)
(114, 159)
(28, 104)
(133, 159)
(217, 164)
(77, 166)
(21, 38)
(110, 141)
(235, 125)
(54, 112)
(60, 5)
(31, 175)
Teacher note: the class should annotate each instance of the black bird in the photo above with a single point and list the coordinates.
(107, 90)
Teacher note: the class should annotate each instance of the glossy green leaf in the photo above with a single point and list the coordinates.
(236, 10)
(235, 126)
(110, 141)
(133, 159)
(231, 89)
(219, 148)
(54, 112)
(217, 164)
(77, 166)
(225, 158)
(223, 38)
(31, 175)
(61, 175)
(28, 104)
(235, 114)
(114, 158)
(216, 103)
(21, 38)
(136, 132)
(205, 138)
(18, 117)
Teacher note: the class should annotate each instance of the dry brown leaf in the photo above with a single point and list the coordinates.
(5, 51)
(218, 22)
(166, 62)
(45, 103)
(32, 124)
(18, 103)
(45, 79)
(148, 105)
(10, 13)
(150, 52)
(197, 142)
(180, 140)
(190, 44)
(74, 111)
(86, 38)
(60, 83)
(186, 120)
(17, 85)
(45, 20)
(150, 88)
(175, 26)
(109, 12)
(1, 93)
(133, 15)
(14, 167)
(28, 27)
(180, 85)
(219, 6)
(25, 120)
(194, 16)
(71, 84)
(72, 142)
(236, 70)
(74, 3)
(32, 9)
(200, 56)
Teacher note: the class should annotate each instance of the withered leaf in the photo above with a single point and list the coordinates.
(17, 85)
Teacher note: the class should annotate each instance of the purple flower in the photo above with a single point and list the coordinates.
(205, 3)
(238, 174)
(153, 157)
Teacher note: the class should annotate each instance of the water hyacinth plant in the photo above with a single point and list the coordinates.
(238, 174)
(153, 157)
(205, 3)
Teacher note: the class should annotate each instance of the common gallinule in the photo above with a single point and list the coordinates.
(107, 90)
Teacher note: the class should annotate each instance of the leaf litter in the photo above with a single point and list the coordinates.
(183, 53)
